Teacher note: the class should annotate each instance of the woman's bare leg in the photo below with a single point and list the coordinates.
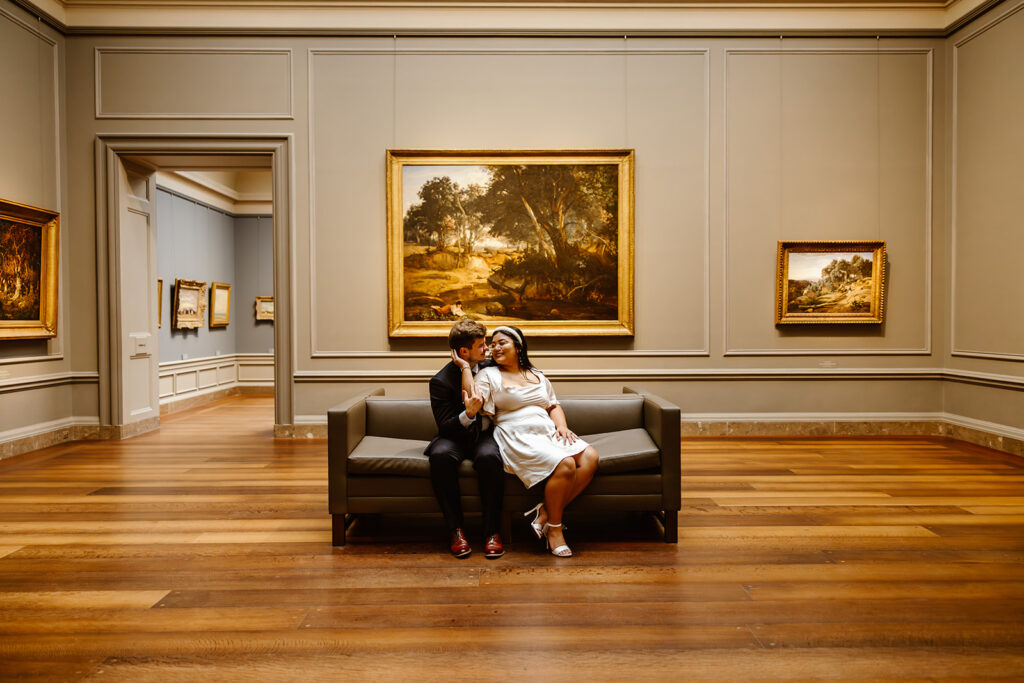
(586, 467)
(556, 495)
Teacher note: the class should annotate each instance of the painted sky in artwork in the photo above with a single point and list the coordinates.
(808, 265)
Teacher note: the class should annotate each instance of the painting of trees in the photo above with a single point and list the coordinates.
(830, 282)
(29, 255)
(20, 260)
(512, 240)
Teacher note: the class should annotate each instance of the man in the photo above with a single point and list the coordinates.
(461, 434)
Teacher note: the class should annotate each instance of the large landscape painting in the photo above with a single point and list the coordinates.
(539, 240)
(830, 282)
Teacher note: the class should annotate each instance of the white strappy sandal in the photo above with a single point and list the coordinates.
(535, 525)
(562, 550)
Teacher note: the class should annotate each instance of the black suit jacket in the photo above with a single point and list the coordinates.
(446, 402)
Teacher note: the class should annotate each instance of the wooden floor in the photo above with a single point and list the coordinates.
(202, 552)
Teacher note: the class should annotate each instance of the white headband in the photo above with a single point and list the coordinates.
(509, 331)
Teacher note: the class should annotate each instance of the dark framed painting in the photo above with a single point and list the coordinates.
(538, 239)
(29, 271)
(830, 282)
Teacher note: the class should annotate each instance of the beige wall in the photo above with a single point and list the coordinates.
(35, 378)
(740, 142)
(986, 318)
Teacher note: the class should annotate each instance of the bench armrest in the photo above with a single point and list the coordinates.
(663, 421)
(346, 427)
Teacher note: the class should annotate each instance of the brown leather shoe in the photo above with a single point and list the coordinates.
(459, 545)
(493, 548)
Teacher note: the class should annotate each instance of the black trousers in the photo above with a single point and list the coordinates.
(445, 457)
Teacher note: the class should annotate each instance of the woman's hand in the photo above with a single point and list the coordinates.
(457, 359)
(566, 435)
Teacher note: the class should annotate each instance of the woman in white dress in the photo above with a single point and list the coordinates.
(529, 426)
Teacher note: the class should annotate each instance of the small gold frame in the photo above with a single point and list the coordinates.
(220, 304)
(830, 282)
(600, 304)
(159, 302)
(189, 304)
(27, 227)
(264, 308)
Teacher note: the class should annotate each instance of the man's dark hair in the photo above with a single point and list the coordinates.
(464, 333)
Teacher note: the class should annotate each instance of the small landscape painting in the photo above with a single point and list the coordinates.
(830, 282)
(542, 240)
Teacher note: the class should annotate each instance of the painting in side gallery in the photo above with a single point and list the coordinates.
(539, 239)
(830, 282)
(28, 271)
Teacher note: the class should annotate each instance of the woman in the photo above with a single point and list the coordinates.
(530, 429)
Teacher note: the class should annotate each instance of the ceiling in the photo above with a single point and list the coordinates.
(509, 17)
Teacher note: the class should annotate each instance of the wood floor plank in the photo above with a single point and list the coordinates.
(861, 664)
(81, 600)
(202, 551)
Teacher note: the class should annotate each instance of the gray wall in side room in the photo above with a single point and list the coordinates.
(254, 276)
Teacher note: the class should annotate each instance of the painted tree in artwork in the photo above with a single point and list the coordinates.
(20, 250)
(525, 241)
(566, 216)
(446, 217)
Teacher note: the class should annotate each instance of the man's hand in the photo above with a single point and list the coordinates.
(474, 402)
(457, 359)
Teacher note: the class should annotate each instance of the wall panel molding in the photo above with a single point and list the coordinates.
(985, 26)
(286, 112)
(397, 51)
(692, 374)
(196, 376)
(56, 379)
(926, 348)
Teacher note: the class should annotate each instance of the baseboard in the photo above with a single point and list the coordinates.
(202, 398)
(47, 434)
(988, 434)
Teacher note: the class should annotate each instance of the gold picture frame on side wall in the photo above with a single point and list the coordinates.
(840, 281)
(264, 308)
(220, 304)
(29, 271)
(189, 304)
(538, 239)
(159, 302)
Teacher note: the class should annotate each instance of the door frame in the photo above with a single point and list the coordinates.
(110, 148)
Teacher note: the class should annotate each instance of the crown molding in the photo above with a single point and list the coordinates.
(454, 17)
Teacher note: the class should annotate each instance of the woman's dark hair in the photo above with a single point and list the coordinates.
(521, 349)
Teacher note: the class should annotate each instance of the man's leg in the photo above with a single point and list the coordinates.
(490, 474)
(445, 456)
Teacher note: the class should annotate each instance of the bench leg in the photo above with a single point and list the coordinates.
(671, 523)
(338, 525)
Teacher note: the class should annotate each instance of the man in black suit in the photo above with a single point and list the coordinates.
(462, 433)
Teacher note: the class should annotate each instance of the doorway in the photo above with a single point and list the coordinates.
(127, 265)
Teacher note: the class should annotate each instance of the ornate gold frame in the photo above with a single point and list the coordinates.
(48, 222)
(159, 302)
(876, 300)
(195, 319)
(623, 325)
(215, 289)
(261, 315)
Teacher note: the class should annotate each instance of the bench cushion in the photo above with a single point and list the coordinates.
(629, 450)
(384, 455)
